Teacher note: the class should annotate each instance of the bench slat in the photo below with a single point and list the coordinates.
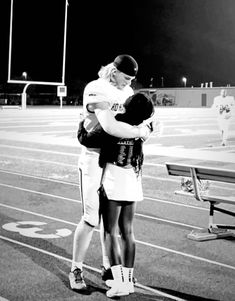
(203, 173)
(209, 198)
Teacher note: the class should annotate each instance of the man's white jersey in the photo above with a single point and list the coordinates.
(224, 106)
(101, 90)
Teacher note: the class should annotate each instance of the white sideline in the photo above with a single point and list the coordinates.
(3, 299)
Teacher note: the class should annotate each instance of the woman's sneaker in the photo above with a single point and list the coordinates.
(76, 280)
(117, 290)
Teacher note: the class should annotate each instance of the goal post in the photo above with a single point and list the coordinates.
(27, 82)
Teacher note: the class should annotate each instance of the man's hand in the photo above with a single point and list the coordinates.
(144, 131)
(157, 128)
(154, 125)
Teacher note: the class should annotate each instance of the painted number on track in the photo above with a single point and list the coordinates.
(32, 231)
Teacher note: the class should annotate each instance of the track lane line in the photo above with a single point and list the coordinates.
(137, 241)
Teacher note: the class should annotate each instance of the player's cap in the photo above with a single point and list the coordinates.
(126, 64)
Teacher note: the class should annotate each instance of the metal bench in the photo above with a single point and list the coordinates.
(200, 173)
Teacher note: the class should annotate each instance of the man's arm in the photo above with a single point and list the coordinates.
(117, 128)
(215, 103)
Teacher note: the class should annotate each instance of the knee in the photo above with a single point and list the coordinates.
(110, 232)
(91, 220)
(127, 233)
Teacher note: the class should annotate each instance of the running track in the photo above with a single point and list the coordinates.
(40, 206)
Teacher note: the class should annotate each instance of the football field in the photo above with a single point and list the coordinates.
(40, 207)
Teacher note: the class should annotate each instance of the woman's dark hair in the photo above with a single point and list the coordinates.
(138, 107)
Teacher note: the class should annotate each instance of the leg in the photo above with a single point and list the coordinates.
(127, 233)
(106, 272)
(223, 126)
(89, 182)
(225, 130)
(105, 259)
(110, 214)
(81, 242)
(128, 242)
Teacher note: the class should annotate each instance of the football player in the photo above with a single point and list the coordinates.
(103, 98)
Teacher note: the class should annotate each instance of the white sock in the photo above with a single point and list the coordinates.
(131, 272)
(76, 265)
(106, 262)
(117, 272)
(128, 274)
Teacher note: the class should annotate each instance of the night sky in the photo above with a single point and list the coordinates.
(168, 38)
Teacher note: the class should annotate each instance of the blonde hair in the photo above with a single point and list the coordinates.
(106, 72)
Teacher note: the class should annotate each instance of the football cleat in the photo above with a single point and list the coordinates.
(106, 274)
(76, 280)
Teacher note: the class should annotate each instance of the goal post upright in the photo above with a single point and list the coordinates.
(65, 40)
(29, 82)
(10, 42)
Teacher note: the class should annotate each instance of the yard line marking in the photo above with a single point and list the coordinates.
(155, 291)
(137, 241)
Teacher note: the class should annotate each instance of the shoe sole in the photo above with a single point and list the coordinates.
(77, 287)
(110, 283)
(117, 295)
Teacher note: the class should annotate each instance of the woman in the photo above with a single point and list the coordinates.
(121, 160)
(103, 98)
